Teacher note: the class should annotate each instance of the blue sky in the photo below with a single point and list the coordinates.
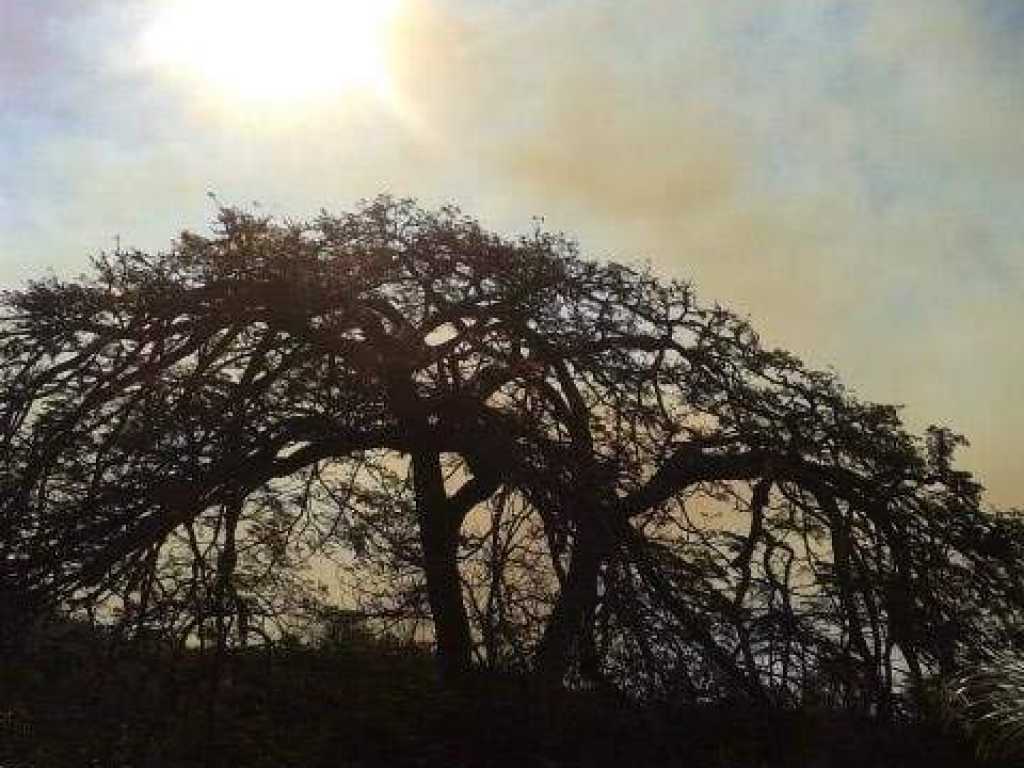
(849, 174)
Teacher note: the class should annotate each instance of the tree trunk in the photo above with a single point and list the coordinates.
(573, 613)
(439, 537)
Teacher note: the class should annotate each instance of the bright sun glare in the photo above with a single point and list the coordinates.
(276, 50)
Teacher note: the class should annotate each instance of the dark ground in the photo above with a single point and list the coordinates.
(75, 700)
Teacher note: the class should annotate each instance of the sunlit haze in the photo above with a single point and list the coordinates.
(847, 174)
(267, 50)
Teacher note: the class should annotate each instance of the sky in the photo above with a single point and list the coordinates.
(849, 174)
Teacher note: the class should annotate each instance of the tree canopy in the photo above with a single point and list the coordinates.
(568, 466)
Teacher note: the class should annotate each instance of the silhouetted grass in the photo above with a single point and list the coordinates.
(989, 700)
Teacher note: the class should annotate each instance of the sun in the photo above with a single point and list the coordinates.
(275, 50)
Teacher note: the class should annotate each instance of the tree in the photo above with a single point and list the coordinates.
(404, 384)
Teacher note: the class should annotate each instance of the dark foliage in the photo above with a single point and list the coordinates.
(77, 697)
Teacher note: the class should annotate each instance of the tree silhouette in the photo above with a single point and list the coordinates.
(622, 484)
